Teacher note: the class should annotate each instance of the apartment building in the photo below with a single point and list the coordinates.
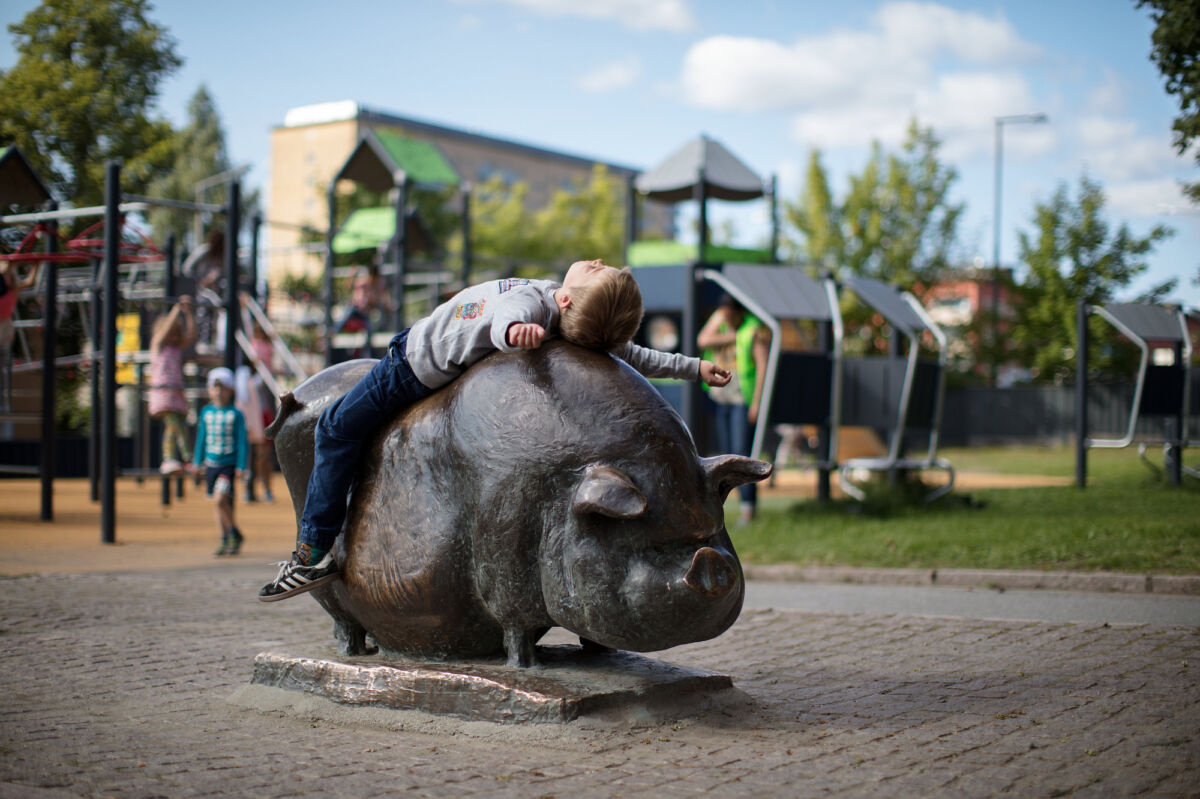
(314, 142)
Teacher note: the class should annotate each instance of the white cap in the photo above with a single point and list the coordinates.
(220, 376)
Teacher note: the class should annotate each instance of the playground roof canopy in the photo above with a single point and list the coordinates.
(783, 292)
(368, 228)
(382, 158)
(675, 179)
(1148, 322)
(19, 184)
(888, 301)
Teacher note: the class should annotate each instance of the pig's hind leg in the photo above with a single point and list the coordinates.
(351, 636)
(521, 646)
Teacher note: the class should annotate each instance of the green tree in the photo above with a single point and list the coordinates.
(817, 219)
(1176, 52)
(896, 222)
(1074, 254)
(501, 224)
(198, 151)
(83, 91)
(582, 222)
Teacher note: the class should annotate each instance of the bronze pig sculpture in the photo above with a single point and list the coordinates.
(551, 487)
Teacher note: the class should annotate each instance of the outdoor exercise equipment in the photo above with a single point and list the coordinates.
(799, 387)
(821, 387)
(901, 394)
(1162, 388)
(598, 517)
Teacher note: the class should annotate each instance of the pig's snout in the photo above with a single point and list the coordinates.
(710, 574)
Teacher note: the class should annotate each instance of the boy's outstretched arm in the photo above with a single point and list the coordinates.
(714, 375)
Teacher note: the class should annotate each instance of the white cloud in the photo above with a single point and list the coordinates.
(951, 69)
(1114, 150)
(611, 76)
(1109, 96)
(961, 108)
(931, 28)
(674, 16)
(894, 57)
(1141, 199)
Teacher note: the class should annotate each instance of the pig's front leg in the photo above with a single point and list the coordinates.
(519, 645)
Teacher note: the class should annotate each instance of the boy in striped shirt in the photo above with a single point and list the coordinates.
(221, 449)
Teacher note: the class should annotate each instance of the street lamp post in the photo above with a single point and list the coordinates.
(995, 303)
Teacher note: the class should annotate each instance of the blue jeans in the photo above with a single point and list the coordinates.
(342, 430)
(735, 436)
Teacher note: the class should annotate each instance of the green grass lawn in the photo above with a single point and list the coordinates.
(1126, 520)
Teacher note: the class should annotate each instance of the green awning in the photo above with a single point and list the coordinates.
(420, 160)
(381, 155)
(370, 228)
(672, 253)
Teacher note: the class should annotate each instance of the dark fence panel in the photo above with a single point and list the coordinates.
(1039, 414)
(70, 455)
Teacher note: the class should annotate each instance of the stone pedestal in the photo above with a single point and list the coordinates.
(568, 684)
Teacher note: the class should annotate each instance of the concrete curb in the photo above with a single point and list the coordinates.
(982, 578)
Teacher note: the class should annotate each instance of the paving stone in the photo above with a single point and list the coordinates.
(119, 684)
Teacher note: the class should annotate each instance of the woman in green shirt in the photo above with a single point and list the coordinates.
(734, 339)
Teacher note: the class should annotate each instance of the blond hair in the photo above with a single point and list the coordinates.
(605, 313)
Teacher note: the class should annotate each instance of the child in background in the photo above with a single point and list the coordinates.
(264, 451)
(221, 449)
(11, 285)
(173, 333)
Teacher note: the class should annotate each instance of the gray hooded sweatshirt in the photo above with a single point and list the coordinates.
(476, 320)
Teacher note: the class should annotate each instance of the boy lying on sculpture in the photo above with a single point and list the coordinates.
(596, 306)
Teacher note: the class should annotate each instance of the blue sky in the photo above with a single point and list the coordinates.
(629, 81)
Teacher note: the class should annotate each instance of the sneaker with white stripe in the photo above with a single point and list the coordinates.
(296, 578)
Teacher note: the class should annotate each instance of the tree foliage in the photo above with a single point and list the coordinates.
(82, 92)
(1073, 254)
(817, 219)
(1176, 52)
(584, 221)
(198, 151)
(896, 222)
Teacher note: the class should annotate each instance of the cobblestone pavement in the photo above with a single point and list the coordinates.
(120, 685)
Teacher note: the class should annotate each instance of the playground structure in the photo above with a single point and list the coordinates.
(109, 264)
(387, 162)
(899, 393)
(1162, 388)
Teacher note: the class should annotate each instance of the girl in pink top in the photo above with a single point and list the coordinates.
(11, 285)
(173, 333)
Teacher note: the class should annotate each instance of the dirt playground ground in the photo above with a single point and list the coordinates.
(184, 534)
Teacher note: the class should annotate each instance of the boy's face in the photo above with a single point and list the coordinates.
(219, 394)
(583, 273)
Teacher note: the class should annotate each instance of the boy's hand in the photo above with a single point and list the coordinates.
(714, 375)
(526, 335)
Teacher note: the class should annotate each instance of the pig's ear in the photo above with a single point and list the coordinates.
(608, 492)
(726, 472)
